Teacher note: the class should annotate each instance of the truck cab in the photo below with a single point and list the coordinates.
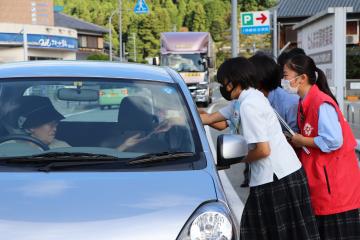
(191, 55)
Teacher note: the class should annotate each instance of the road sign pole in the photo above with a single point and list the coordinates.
(234, 29)
(134, 41)
(275, 35)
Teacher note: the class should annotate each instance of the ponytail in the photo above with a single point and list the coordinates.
(303, 64)
(322, 83)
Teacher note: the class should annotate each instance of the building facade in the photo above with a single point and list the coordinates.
(291, 12)
(37, 12)
(27, 32)
(32, 30)
(22, 42)
(90, 36)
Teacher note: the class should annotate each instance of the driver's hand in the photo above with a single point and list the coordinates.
(131, 141)
(168, 123)
(163, 126)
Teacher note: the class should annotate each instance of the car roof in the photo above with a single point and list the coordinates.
(85, 69)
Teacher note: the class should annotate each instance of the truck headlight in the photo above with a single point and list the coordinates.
(211, 221)
(202, 85)
(201, 91)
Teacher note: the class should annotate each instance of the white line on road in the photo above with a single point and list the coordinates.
(78, 113)
(235, 202)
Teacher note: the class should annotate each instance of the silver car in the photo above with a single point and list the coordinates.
(140, 170)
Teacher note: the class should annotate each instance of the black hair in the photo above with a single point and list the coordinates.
(239, 71)
(268, 72)
(303, 64)
(285, 56)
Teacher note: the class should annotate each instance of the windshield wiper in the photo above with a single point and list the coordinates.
(57, 156)
(159, 157)
(55, 160)
(143, 159)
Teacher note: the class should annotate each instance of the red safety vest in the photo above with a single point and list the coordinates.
(334, 178)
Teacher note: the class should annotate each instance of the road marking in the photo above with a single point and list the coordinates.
(78, 113)
(235, 202)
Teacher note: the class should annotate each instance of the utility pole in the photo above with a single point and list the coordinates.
(110, 34)
(234, 29)
(25, 43)
(134, 41)
(120, 34)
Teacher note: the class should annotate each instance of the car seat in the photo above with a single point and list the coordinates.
(135, 114)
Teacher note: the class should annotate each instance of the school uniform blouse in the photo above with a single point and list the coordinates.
(330, 133)
(260, 124)
(286, 104)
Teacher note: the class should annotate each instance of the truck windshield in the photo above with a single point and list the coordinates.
(184, 62)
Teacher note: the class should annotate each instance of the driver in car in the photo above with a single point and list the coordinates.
(38, 118)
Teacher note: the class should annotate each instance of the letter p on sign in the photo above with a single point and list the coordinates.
(247, 19)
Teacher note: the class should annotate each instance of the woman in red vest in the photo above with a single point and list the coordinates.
(331, 166)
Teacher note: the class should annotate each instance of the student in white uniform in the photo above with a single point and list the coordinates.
(278, 206)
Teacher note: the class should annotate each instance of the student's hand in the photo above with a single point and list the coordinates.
(297, 140)
(202, 111)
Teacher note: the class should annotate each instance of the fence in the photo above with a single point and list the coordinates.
(350, 117)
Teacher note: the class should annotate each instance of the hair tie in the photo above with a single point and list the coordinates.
(316, 76)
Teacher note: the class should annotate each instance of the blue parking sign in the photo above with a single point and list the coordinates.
(141, 7)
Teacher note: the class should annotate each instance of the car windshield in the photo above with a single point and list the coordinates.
(184, 62)
(125, 119)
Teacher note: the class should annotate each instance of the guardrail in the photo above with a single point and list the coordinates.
(349, 108)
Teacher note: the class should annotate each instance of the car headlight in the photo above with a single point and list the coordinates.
(211, 221)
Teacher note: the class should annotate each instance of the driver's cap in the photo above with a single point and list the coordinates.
(35, 111)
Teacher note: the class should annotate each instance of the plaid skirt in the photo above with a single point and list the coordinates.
(340, 226)
(280, 210)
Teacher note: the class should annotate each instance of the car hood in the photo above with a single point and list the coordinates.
(93, 206)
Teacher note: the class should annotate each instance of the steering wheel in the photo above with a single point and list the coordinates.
(28, 138)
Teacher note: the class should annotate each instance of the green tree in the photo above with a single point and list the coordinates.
(217, 28)
(199, 19)
(214, 10)
(181, 13)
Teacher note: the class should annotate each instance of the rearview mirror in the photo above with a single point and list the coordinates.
(78, 94)
(231, 149)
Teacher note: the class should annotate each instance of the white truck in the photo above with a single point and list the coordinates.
(192, 55)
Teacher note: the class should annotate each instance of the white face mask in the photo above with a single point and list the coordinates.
(287, 87)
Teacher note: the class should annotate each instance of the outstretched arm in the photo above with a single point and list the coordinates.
(211, 118)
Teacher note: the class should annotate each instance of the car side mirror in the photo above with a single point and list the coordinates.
(204, 62)
(231, 149)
